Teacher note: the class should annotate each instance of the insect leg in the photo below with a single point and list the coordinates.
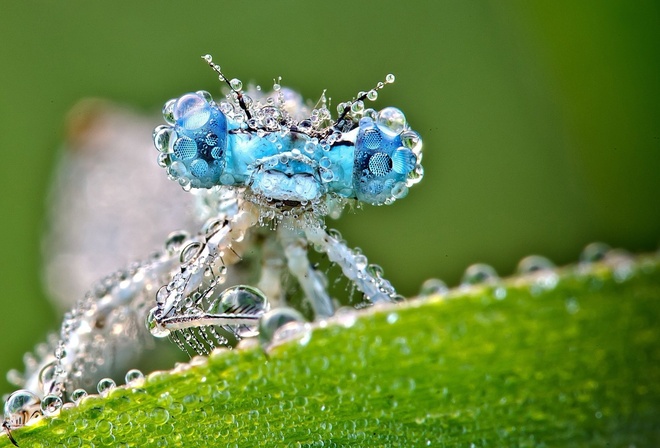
(272, 268)
(367, 278)
(310, 280)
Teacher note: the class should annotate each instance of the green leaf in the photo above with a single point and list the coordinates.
(569, 358)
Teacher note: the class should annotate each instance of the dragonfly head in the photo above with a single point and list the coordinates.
(388, 157)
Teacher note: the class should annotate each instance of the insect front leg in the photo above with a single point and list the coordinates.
(310, 280)
(194, 308)
(272, 271)
(366, 278)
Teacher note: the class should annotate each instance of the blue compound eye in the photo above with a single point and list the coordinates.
(371, 139)
(382, 162)
(195, 142)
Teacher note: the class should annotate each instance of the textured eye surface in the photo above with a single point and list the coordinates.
(403, 161)
(380, 164)
(185, 148)
(372, 139)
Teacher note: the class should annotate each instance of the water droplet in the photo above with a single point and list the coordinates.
(51, 404)
(412, 141)
(390, 78)
(372, 95)
(594, 252)
(105, 386)
(47, 377)
(78, 395)
(360, 262)
(273, 320)
(391, 120)
(236, 84)
(243, 299)
(154, 327)
(168, 111)
(163, 135)
(534, 263)
(175, 241)
(191, 112)
(176, 408)
(206, 95)
(432, 287)
(104, 426)
(20, 406)
(133, 376)
(357, 107)
(73, 441)
(479, 273)
(400, 191)
(159, 416)
(191, 252)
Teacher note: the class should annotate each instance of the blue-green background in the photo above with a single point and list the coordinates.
(540, 120)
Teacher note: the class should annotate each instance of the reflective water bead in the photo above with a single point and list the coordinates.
(133, 376)
(412, 141)
(594, 252)
(391, 120)
(185, 148)
(191, 252)
(403, 160)
(105, 385)
(21, 406)
(236, 84)
(191, 111)
(168, 111)
(206, 95)
(51, 404)
(357, 107)
(433, 286)
(163, 137)
(159, 415)
(104, 426)
(534, 263)
(154, 327)
(78, 395)
(47, 376)
(274, 320)
(479, 273)
(243, 299)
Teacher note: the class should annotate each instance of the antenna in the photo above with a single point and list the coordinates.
(216, 68)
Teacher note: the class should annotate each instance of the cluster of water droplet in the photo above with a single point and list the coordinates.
(537, 272)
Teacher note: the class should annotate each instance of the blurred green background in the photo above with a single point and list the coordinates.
(540, 120)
